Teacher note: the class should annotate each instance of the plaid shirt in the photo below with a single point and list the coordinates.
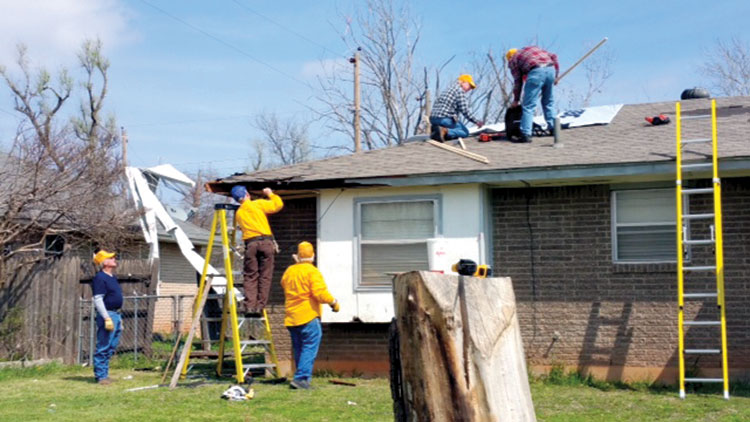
(452, 103)
(524, 61)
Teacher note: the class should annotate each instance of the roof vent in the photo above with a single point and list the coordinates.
(693, 93)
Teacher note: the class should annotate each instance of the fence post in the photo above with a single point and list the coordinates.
(80, 330)
(92, 326)
(136, 329)
(176, 314)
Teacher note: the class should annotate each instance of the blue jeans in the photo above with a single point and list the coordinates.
(455, 129)
(305, 343)
(106, 343)
(539, 79)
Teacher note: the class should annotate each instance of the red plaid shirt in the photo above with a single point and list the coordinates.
(526, 59)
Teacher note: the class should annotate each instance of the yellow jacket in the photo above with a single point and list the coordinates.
(305, 292)
(251, 216)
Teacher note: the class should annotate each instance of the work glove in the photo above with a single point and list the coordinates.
(335, 306)
(108, 324)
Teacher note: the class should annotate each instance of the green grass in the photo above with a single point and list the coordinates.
(68, 393)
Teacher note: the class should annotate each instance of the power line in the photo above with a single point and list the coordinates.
(287, 29)
(227, 44)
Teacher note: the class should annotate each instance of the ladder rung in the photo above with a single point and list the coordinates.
(697, 190)
(696, 117)
(700, 268)
(695, 141)
(259, 365)
(697, 216)
(702, 351)
(698, 295)
(254, 342)
(699, 242)
(704, 380)
(697, 165)
(702, 323)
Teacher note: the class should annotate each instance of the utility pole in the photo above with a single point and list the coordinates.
(357, 131)
(124, 138)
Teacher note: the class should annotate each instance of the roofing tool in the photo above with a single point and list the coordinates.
(470, 268)
(582, 59)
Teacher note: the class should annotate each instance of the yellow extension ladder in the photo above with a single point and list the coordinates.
(684, 244)
(229, 317)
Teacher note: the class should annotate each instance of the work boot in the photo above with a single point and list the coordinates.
(523, 139)
(443, 134)
(300, 385)
(104, 381)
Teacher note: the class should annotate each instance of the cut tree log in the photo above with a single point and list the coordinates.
(461, 354)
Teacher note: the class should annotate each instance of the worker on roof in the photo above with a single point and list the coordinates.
(107, 297)
(449, 107)
(305, 292)
(260, 246)
(540, 70)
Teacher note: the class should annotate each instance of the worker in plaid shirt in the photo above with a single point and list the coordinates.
(447, 109)
(540, 69)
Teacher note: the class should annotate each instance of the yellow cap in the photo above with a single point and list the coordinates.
(469, 79)
(305, 250)
(512, 52)
(101, 256)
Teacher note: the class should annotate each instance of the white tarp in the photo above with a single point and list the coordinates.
(589, 116)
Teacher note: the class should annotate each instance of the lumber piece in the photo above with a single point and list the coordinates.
(467, 154)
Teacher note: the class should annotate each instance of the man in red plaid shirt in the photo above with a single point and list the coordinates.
(540, 69)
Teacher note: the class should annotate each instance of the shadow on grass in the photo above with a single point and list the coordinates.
(89, 379)
(558, 376)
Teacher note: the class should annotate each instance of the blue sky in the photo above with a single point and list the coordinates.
(188, 98)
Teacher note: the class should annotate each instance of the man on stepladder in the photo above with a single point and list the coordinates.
(540, 70)
(108, 300)
(305, 292)
(260, 246)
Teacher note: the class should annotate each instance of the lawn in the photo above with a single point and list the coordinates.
(65, 393)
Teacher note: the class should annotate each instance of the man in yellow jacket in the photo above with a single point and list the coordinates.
(259, 246)
(305, 292)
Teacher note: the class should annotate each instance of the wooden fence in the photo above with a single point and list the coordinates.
(39, 304)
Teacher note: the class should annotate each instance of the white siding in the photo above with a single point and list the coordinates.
(461, 226)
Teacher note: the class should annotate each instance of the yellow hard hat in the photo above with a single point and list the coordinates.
(512, 52)
(101, 256)
(469, 79)
(305, 250)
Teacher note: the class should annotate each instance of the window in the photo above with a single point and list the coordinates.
(643, 227)
(54, 245)
(392, 236)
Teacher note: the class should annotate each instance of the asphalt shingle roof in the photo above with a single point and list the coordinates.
(627, 139)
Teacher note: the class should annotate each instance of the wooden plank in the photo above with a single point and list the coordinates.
(467, 154)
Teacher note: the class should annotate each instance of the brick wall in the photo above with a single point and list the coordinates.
(165, 312)
(579, 309)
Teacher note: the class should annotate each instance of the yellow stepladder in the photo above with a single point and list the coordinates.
(684, 239)
(229, 306)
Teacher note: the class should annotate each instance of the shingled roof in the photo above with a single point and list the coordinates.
(627, 145)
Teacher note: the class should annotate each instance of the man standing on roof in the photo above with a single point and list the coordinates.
(447, 110)
(305, 292)
(540, 69)
(108, 300)
(259, 246)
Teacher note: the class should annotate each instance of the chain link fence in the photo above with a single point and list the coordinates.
(149, 322)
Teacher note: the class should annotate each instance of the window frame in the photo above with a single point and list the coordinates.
(615, 226)
(437, 203)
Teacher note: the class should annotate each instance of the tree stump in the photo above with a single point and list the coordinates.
(461, 354)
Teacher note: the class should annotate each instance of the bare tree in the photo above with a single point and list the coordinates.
(61, 176)
(387, 36)
(727, 67)
(286, 141)
(198, 200)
